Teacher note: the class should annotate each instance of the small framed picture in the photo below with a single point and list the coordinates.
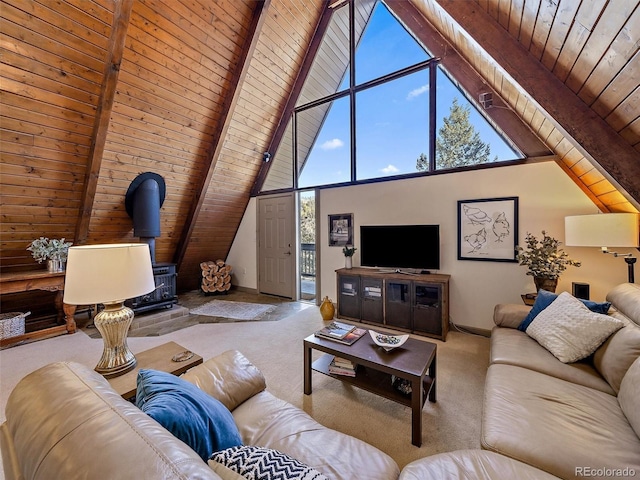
(341, 230)
(488, 229)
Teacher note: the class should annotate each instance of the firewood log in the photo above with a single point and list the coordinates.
(216, 276)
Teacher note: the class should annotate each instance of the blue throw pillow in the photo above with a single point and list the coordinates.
(198, 419)
(545, 298)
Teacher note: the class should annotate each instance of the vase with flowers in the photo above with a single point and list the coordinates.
(54, 252)
(545, 260)
(348, 252)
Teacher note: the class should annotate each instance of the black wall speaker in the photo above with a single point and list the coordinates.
(580, 290)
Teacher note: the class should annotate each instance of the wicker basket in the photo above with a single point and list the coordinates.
(12, 324)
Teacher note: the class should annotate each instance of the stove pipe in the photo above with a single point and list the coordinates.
(143, 200)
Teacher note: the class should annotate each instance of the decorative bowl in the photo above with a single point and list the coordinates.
(388, 342)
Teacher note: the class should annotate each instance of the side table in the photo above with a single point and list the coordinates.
(158, 358)
(529, 298)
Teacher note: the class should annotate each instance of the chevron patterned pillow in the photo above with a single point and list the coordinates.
(259, 463)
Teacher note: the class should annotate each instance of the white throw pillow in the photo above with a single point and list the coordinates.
(569, 330)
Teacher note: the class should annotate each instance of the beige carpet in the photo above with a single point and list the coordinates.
(276, 348)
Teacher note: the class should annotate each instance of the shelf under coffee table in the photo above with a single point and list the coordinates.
(414, 361)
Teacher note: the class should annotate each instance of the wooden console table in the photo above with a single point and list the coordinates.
(40, 280)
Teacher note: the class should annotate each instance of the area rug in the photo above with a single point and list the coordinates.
(236, 310)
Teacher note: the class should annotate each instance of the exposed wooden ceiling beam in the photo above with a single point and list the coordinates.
(337, 3)
(314, 45)
(468, 78)
(121, 16)
(220, 133)
(587, 131)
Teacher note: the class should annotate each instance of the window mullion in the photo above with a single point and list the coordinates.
(432, 115)
(352, 84)
(294, 141)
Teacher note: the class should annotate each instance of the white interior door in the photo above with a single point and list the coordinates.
(276, 246)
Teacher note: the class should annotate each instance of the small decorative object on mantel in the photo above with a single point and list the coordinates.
(545, 260)
(54, 251)
(327, 310)
(348, 255)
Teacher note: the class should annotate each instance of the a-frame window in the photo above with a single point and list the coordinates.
(380, 108)
(464, 136)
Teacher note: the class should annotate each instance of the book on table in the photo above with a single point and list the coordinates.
(342, 362)
(349, 339)
(342, 366)
(336, 330)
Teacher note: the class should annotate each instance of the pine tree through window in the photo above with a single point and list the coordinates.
(371, 120)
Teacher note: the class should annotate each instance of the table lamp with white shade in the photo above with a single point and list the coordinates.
(110, 274)
(605, 230)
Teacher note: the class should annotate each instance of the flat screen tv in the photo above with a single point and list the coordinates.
(400, 246)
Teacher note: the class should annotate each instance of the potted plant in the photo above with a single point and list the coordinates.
(54, 251)
(348, 252)
(545, 260)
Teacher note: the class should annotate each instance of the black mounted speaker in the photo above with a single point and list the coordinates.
(580, 290)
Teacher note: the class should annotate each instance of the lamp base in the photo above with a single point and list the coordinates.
(113, 324)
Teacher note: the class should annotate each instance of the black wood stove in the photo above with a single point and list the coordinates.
(142, 202)
(164, 296)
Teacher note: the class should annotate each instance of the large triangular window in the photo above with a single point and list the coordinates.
(464, 136)
(391, 111)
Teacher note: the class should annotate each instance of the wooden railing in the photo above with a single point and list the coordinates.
(308, 259)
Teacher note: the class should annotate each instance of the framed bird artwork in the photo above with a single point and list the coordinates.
(488, 229)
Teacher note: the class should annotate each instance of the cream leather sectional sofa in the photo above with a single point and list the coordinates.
(65, 421)
(572, 420)
(542, 418)
(545, 419)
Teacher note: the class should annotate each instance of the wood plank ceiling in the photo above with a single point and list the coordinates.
(569, 69)
(95, 92)
(182, 71)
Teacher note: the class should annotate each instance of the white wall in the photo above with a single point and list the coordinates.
(546, 195)
(243, 253)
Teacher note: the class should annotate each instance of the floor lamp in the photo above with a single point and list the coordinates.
(605, 230)
(110, 274)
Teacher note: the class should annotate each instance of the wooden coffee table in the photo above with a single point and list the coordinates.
(158, 358)
(414, 361)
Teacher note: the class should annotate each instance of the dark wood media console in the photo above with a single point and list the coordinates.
(416, 303)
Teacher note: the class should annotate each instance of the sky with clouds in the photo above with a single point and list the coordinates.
(392, 118)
